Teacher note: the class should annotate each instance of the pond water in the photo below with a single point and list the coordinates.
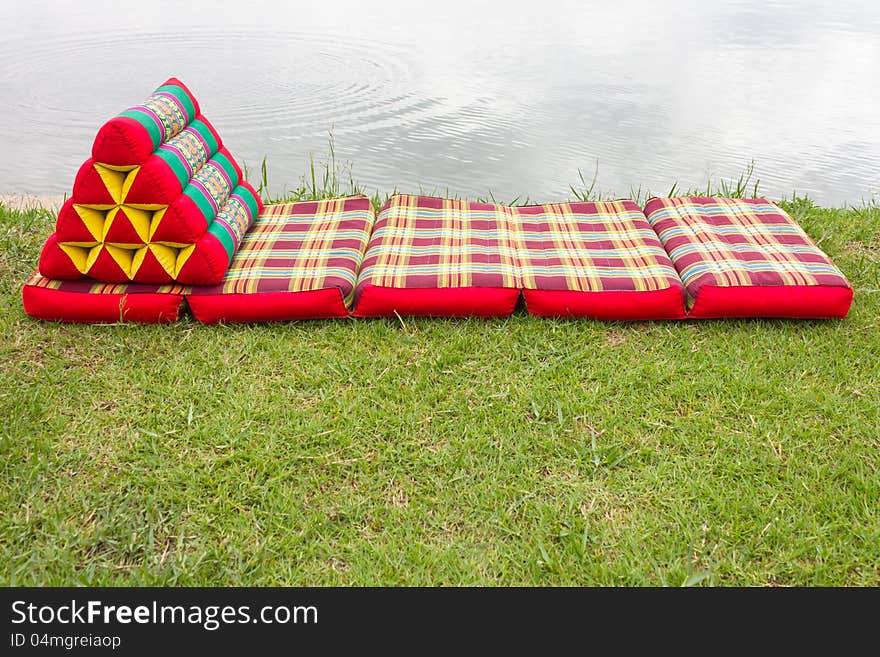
(469, 97)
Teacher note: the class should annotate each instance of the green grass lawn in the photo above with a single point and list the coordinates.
(429, 451)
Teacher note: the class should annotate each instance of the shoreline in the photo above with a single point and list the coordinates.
(53, 202)
(22, 202)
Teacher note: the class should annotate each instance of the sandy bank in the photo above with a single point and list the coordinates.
(27, 201)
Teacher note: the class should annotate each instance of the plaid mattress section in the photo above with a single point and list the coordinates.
(89, 286)
(423, 242)
(590, 247)
(300, 247)
(738, 242)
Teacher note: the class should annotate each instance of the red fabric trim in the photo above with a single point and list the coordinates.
(206, 265)
(183, 222)
(235, 166)
(249, 187)
(70, 225)
(267, 306)
(106, 269)
(121, 231)
(210, 127)
(151, 271)
(378, 301)
(89, 188)
(794, 301)
(55, 263)
(175, 81)
(63, 306)
(621, 305)
(155, 183)
(122, 141)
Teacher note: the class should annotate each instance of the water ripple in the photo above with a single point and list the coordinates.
(511, 105)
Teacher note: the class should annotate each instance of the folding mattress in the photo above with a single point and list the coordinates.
(299, 261)
(747, 258)
(438, 257)
(92, 302)
(444, 257)
(600, 260)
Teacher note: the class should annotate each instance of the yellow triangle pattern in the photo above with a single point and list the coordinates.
(140, 221)
(117, 180)
(93, 218)
(144, 219)
(83, 257)
(183, 255)
(155, 221)
(129, 258)
(122, 256)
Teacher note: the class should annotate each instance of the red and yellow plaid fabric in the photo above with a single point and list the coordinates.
(422, 242)
(589, 247)
(88, 286)
(300, 247)
(738, 242)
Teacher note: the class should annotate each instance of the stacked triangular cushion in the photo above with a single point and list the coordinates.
(160, 200)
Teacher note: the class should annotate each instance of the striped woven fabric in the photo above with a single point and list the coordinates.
(166, 112)
(726, 242)
(88, 286)
(130, 137)
(187, 152)
(422, 242)
(589, 247)
(300, 247)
